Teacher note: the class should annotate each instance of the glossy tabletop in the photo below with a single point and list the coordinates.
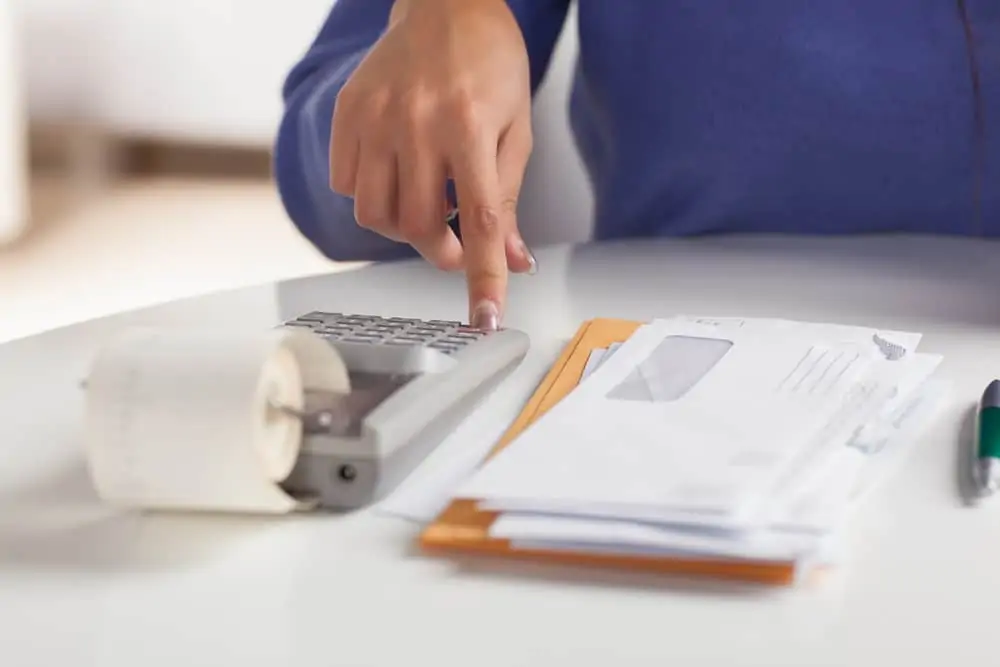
(83, 585)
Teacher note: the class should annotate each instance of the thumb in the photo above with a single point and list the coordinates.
(513, 154)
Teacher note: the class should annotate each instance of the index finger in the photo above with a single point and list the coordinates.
(483, 227)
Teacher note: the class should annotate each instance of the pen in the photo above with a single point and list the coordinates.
(987, 461)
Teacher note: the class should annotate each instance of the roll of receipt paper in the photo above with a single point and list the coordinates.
(203, 421)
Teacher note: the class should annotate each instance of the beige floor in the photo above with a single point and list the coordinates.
(144, 241)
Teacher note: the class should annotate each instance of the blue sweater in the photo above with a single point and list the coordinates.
(717, 116)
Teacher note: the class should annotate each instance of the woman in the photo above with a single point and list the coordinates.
(692, 117)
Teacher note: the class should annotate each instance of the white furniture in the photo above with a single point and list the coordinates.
(13, 154)
(88, 585)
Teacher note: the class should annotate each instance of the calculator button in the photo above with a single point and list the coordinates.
(307, 325)
(362, 339)
(444, 323)
(463, 336)
(315, 316)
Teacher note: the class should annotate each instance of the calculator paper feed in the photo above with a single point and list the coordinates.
(186, 420)
(871, 391)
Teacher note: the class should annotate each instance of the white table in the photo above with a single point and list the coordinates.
(84, 585)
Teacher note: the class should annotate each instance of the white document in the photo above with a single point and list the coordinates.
(906, 341)
(680, 418)
(853, 475)
(190, 420)
(857, 473)
(771, 545)
(808, 515)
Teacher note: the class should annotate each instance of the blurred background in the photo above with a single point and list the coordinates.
(135, 143)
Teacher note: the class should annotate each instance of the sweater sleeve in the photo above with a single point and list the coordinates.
(301, 151)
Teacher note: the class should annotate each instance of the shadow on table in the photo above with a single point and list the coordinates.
(58, 524)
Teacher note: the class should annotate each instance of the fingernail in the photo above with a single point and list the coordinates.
(529, 258)
(485, 316)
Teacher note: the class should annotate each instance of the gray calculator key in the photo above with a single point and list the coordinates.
(315, 317)
(463, 336)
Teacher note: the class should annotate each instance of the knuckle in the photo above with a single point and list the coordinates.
(443, 262)
(373, 106)
(485, 221)
(467, 111)
(346, 98)
(509, 205)
(369, 216)
(413, 227)
(484, 275)
(340, 181)
(417, 104)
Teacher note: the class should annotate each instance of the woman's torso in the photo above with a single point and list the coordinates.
(787, 116)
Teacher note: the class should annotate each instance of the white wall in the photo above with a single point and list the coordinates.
(556, 201)
(211, 71)
(58, 43)
(201, 69)
(13, 182)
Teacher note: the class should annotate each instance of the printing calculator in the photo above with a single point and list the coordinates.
(412, 382)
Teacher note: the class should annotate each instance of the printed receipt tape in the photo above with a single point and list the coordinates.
(187, 420)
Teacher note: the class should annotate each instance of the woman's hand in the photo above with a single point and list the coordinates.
(445, 93)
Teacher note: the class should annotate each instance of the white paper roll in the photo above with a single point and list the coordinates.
(185, 420)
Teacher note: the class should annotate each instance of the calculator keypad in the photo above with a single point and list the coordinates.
(444, 336)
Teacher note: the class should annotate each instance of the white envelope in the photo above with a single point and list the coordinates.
(682, 418)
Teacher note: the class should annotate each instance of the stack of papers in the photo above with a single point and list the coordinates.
(715, 437)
